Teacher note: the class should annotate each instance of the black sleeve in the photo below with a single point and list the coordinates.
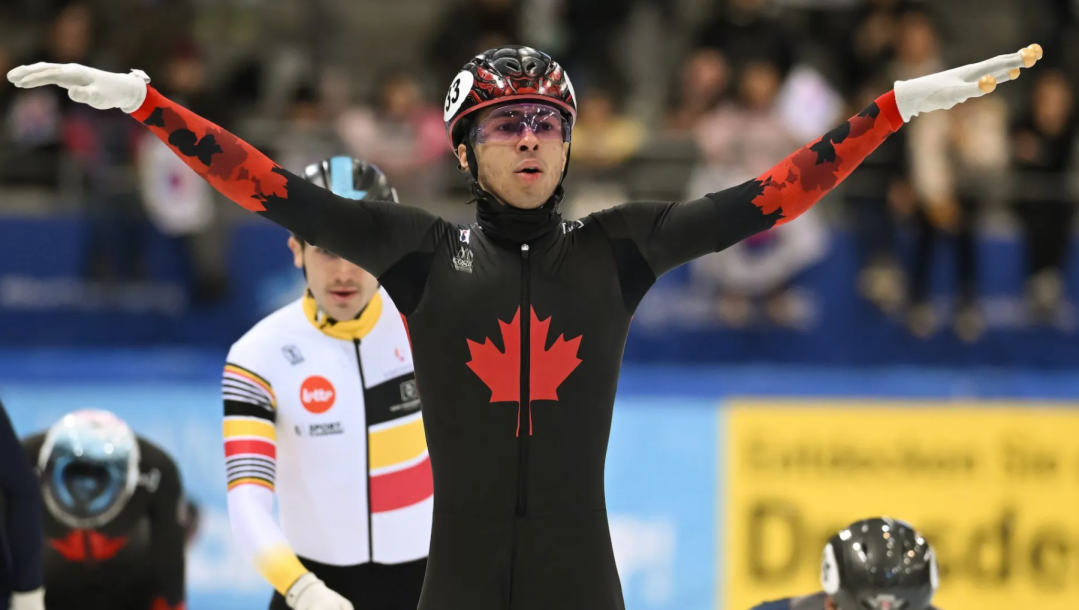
(372, 234)
(651, 238)
(167, 512)
(22, 509)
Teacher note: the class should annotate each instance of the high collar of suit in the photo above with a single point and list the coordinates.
(513, 225)
(346, 330)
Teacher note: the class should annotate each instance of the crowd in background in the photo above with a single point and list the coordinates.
(669, 108)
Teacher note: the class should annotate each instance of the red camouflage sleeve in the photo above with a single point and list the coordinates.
(374, 235)
(233, 167)
(800, 180)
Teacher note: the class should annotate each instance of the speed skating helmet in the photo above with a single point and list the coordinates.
(351, 178)
(89, 466)
(506, 74)
(879, 564)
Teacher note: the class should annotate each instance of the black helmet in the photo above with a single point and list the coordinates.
(351, 178)
(879, 564)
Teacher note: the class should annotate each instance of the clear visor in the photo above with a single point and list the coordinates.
(508, 124)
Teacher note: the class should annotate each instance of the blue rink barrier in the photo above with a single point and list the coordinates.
(44, 301)
(664, 465)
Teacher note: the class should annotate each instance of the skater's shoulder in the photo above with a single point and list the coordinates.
(153, 456)
(274, 329)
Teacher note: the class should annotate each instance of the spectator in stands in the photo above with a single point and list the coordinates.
(603, 137)
(874, 43)
(592, 28)
(879, 194)
(86, 152)
(705, 79)
(470, 27)
(102, 147)
(402, 133)
(738, 142)
(179, 203)
(1045, 157)
(6, 93)
(185, 79)
(6, 96)
(1055, 24)
(748, 30)
(34, 121)
(808, 102)
(744, 137)
(305, 137)
(954, 160)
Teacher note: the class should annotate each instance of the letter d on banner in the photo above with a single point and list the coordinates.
(774, 541)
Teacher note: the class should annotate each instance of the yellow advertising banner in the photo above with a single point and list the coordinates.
(994, 487)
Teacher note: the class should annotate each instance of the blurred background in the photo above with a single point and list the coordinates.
(909, 347)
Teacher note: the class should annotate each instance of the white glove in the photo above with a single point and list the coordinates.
(310, 593)
(100, 89)
(29, 600)
(943, 90)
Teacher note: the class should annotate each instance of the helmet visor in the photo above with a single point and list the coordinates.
(507, 124)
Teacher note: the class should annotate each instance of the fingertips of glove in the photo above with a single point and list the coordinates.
(1031, 55)
(987, 84)
(30, 78)
(15, 75)
(1027, 58)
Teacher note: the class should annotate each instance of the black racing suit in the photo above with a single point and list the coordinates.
(518, 346)
(809, 602)
(20, 517)
(135, 561)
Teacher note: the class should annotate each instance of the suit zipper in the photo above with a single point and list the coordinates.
(367, 470)
(524, 410)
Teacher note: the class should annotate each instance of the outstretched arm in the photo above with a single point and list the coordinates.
(651, 238)
(373, 235)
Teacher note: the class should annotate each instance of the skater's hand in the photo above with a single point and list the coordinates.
(97, 88)
(310, 593)
(30, 600)
(943, 90)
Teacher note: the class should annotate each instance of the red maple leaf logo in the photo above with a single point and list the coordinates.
(74, 546)
(501, 370)
(549, 367)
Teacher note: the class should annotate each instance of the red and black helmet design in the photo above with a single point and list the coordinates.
(505, 74)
